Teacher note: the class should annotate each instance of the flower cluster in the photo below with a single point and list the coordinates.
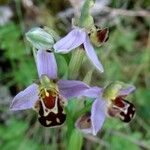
(49, 95)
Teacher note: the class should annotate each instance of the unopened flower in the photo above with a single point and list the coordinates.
(108, 102)
(48, 96)
(77, 37)
(40, 39)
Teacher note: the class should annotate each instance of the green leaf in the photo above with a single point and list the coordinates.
(75, 63)
(62, 65)
(118, 143)
(76, 140)
(111, 91)
(15, 129)
(25, 73)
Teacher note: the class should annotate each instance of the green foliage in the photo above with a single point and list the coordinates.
(125, 57)
(10, 40)
(22, 67)
(124, 40)
(62, 66)
(76, 140)
(118, 143)
(13, 136)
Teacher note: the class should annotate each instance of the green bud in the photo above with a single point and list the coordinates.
(86, 19)
(48, 84)
(111, 91)
(40, 39)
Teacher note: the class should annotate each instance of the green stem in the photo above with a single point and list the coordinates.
(72, 117)
(34, 54)
(75, 63)
(70, 123)
(86, 20)
(88, 77)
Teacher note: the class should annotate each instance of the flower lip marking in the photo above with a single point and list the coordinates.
(122, 109)
(51, 117)
(50, 108)
(102, 35)
(130, 113)
(99, 36)
(48, 98)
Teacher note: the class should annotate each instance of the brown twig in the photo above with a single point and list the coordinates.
(121, 12)
(98, 9)
(76, 4)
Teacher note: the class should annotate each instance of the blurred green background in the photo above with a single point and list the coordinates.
(126, 57)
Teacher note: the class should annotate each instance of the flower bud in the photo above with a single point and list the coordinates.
(117, 88)
(111, 90)
(40, 39)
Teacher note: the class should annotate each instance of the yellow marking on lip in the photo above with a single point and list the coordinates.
(58, 120)
(131, 115)
(46, 93)
(63, 112)
(122, 117)
(48, 122)
(55, 109)
(47, 111)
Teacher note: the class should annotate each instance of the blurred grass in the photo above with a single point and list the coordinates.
(126, 57)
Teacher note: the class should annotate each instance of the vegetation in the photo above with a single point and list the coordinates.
(125, 56)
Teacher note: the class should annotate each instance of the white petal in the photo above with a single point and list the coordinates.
(25, 99)
(93, 92)
(71, 41)
(72, 88)
(98, 115)
(92, 55)
(126, 91)
(46, 64)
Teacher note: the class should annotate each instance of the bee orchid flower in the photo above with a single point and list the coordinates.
(77, 37)
(109, 101)
(49, 96)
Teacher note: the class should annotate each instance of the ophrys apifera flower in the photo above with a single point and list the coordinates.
(80, 36)
(110, 101)
(49, 95)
